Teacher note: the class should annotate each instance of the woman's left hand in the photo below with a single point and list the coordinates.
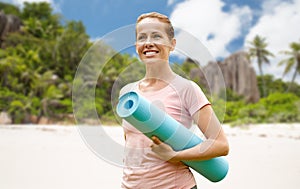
(163, 150)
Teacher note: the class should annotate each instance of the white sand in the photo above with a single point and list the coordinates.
(42, 157)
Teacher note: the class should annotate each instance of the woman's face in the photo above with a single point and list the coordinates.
(152, 42)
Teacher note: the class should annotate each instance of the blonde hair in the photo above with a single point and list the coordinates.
(160, 17)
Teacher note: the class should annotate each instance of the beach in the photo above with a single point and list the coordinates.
(264, 156)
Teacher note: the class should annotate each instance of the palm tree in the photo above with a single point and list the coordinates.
(292, 61)
(258, 50)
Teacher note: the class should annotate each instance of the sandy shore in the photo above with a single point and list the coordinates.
(63, 157)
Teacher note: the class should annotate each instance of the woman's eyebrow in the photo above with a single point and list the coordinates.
(155, 32)
(144, 33)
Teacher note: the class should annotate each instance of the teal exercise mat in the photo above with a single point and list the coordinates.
(152, 121)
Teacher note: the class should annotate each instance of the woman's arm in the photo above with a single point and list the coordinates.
(214, 145)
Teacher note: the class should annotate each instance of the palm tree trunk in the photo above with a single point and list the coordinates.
(293, 78)
(263, 80)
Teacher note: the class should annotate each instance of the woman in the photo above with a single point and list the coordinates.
(152, 163)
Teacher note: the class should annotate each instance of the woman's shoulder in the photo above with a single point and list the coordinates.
(183, 83)
(129, 87)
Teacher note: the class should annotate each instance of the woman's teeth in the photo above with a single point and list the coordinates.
(150, 53)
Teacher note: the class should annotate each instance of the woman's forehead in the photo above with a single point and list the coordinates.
(153, 24)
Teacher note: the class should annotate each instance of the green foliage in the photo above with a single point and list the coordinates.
(277, 85)
(293, 61)
(185, 68)
(277, 107)
(188, 65)
(9, 9)
(38, 66)
(39, 20)
(232, 111)
(17, 105)
(258, 51)
(230, 95)
(282, 107)
(113, 77)
(219, 107)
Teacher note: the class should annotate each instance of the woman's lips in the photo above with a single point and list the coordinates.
(150, 52)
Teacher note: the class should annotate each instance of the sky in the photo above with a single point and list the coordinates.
(222, 26)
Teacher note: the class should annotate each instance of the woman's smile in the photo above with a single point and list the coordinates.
(152, 42)
(150, 53)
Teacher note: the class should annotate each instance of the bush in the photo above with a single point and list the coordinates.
(282, 107)
(277, 107)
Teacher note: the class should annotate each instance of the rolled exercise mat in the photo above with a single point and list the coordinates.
(153, 121)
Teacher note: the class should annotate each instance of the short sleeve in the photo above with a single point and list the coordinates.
(194, 97)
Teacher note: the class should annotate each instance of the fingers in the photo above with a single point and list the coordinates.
(162, 150)
(156, 140)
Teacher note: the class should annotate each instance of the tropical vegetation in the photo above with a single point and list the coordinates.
(38, 69)
(258, 50)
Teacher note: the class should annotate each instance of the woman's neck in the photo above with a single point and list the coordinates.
(159, 72)
(157, 77)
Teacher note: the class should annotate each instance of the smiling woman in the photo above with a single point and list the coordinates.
(153, 163)
(154, 39)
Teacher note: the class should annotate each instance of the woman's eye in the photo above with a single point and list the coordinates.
(156, 36)
(140, 38)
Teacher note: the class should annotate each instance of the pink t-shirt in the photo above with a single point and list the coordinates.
(142, 168)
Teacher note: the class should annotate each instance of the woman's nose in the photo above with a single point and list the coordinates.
(148, 42)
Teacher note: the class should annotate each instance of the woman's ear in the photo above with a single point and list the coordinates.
(136, 49)
(173, 44)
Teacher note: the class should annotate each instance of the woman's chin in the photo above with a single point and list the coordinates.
(153, 60)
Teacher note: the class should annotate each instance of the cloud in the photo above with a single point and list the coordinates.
(209, 23)
(279, 24)
(170, 2)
